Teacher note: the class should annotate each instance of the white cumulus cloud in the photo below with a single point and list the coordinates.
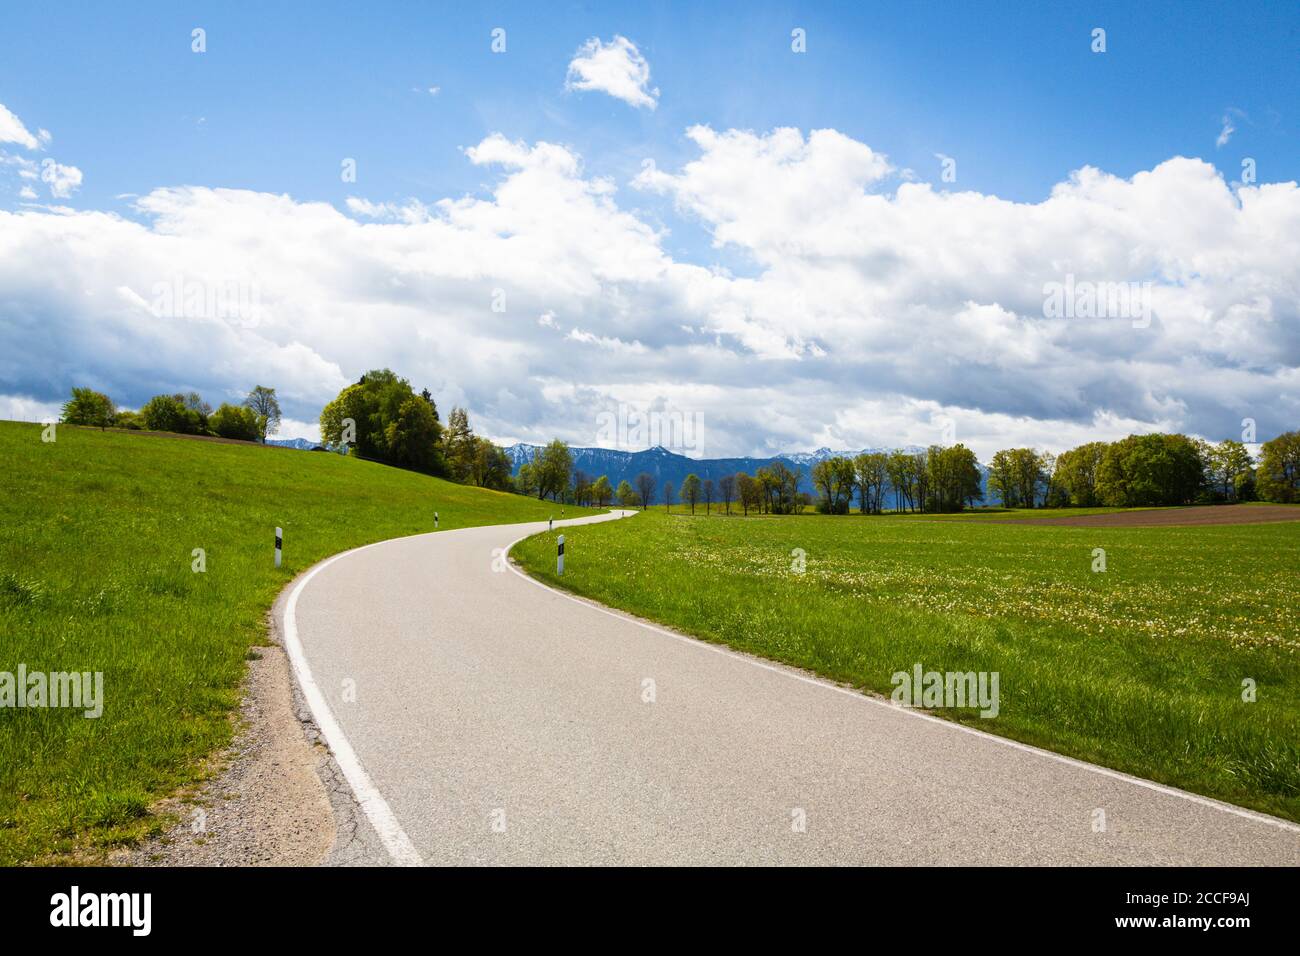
(62, 180)
(873, 312)
(616, 68)
(12, 130)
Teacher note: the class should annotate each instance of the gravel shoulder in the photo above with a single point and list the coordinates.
(271, 798)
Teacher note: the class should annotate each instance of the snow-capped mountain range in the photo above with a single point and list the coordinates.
(301, 444)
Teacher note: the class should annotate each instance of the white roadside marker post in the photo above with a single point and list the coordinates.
(435, 521)
(279, 543)
(559, 557)
(550, 523)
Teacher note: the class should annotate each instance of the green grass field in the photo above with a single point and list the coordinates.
(1139, 668)
(96, 575)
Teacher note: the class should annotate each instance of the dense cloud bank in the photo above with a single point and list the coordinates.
(879, 311)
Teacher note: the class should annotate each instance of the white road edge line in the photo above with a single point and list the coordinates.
(368, 797)
(948, 724)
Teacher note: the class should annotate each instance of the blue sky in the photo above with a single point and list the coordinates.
(1011, 90)
(285, 92)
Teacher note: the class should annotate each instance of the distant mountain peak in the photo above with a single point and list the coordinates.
(302, 444)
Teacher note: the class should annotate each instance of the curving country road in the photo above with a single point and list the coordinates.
(480, 717)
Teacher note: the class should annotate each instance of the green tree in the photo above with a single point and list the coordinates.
(1002, 478)
(1246, 489)
(89, 407)
(953, 478)
(691, 490)
(1227, 465)
(826, 479)
(1019, 476)
(526, 480)
(668, 495)
(602, 491)
(491, 465)
(581, 487)
(1278, 475)
(645, 487)
(1150, 470)
(380, 418)
(870, 472)
(552, 467)
(727, 491)
(767, 484)
(920, 475)
(168, 413)
(236, 421)
(459, 447)
(128, 419)
(263, 402)
(780, 487)
(626, 496)
(835, 479)
(194, 412)
(1076, 473)
(411, 437)
(748, 491)
(900, 469)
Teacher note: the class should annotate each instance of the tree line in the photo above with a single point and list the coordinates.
(1137, 471)
(184, 414)
(933, 479)
(937, 479)
(1146, 471)
(381, 417)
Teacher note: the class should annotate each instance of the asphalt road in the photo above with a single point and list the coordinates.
(483, 718)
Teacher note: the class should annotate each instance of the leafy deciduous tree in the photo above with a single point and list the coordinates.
(1278, 476)
(1150, 470)
(236, 421)
(89, 407)
(691, 490)
(380, 417)
(263, 402)
(1227, 465)
(552, 467)
(727, 491)
(627, 497)
(645, 488)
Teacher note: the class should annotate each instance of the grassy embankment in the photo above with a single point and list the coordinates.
(1139, 668)
(96, 575)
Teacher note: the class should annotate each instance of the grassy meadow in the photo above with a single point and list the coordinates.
(1140, 668)
(96, 575)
